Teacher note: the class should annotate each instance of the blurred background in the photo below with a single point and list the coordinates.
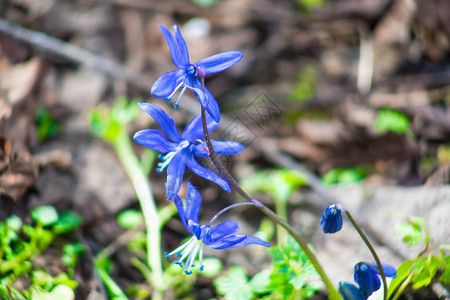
(354, 93)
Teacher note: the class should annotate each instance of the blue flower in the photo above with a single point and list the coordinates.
(180, 150)
(331, 220)
(350, 291)
(218, 237)
(367, 276)
(187, 74)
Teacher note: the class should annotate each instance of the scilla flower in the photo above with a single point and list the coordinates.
(180, 150)
(331, 220)
(368, 277)
(350, 291)
(218, 237)
(187, 74)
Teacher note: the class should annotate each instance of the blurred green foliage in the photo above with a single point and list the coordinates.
(432, 262)
(21, 244)
(205, 2)
(391, 120)
(305, 87)
(344, 175)
(290, 277)
(107, 122)
(47, 127)
(309, 4)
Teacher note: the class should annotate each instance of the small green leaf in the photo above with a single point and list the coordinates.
(45, 215)
(205, 2)
(61, 291)
(14, 222)
(68, 221)
(130, 219)
(445, 277)
(212, 267)
(411, 231)
(305, 87)
(260, 282)
(402, 273)
(391, 120)
(74, 249)
(234, 286)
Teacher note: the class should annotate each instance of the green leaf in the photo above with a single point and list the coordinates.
(234, 286)
(61, 291)
(305, 87)
(45, 215)
(205, 2)
(391, 120)
(344, 176)
(130, 219)
(74, 249)
(445, 277)
(212, 267)
(260, 282)
(14, 222)
(67, 222)
(402, 273)
(411, 231)
(46, 126)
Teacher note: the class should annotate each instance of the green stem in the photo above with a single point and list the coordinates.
(281, 210)
(267, 211)
(122, 145)
(372, 250)
(403, 286)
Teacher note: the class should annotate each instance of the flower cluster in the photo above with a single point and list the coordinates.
(367, 277)
(178, 151)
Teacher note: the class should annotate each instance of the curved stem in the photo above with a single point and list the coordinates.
(129, 161)
(228, 208)
(372, 250)
(267, 211)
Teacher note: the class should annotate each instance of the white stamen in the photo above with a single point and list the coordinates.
(174, 91)
(179, 97)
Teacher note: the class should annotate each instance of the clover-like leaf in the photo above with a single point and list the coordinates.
(235, 285)
(130, 219)
(67, 221)
(45, 215)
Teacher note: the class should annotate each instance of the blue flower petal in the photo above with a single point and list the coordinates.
(193, 203)
(181, 45)
(219, 62)
(180, 208)
(221, 148)
(206, 99)
(227, 147)
(251, 240)
(196, 229)
(155, 140)
(175, 173)
(389, 270)
(223, 229)
(367, 278)
(166, 85)
(177, 57)
(194, 129)
(331, 220)
(228, 242)
(350, 291)
(206, 173)
(165, 121)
